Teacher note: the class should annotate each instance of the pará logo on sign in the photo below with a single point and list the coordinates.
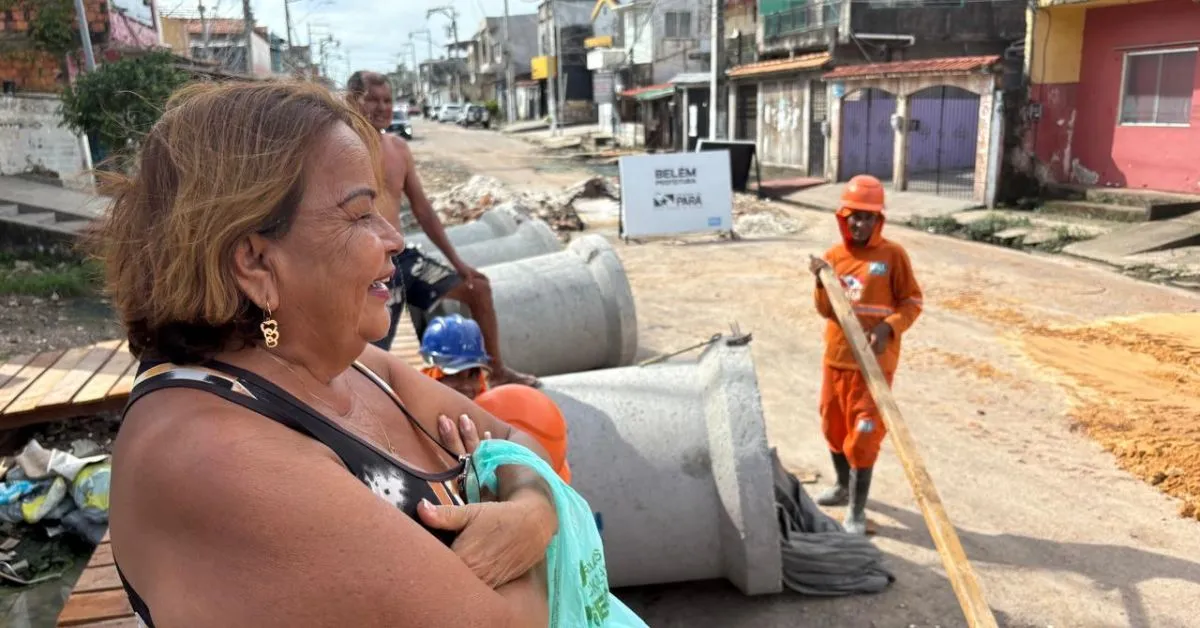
(677, 200)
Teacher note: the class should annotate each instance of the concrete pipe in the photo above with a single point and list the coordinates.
(563, 312)
(494, 223)
(532, 238)
(673, 458)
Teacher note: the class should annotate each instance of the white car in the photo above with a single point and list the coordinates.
(448, 113)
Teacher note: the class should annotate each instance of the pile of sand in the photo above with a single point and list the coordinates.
(1137, 383)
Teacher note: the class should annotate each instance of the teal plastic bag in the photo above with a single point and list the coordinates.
(577, 577)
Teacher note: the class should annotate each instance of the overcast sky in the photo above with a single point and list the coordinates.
(371, 32)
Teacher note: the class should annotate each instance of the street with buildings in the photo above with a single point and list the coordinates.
(1041, 169)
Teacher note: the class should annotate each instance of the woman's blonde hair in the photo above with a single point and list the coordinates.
(225, 161)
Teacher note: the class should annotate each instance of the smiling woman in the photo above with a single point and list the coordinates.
(266, 446)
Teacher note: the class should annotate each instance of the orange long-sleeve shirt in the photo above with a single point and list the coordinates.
(879, 281)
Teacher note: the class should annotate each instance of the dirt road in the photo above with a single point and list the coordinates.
(1016, 379)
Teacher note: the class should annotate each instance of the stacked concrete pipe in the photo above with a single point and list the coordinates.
(494, 223)
(563, 312)
(674, 461)
(531, 238)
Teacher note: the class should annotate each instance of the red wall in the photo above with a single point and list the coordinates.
(1052, 134)
(1164, 158)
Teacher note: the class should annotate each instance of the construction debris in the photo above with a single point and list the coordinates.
(466, 202)
(759, 217)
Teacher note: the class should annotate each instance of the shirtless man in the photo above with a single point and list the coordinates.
(422, 281)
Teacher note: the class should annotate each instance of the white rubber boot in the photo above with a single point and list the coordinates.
(838, 494)
(856, 515)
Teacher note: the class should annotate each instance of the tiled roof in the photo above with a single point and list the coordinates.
(633, 92)
(948, 65)
(776, 66)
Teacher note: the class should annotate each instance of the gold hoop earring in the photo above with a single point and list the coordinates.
(270, 330)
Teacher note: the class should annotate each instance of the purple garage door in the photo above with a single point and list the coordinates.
(943, 124)
(867, 136)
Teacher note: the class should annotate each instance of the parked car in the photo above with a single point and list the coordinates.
(414, 109)
(472, 115)
(400, 125)
(449, 112)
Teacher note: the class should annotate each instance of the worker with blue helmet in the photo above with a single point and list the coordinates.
(455, 355)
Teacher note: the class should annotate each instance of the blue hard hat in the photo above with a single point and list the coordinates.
(454, 344)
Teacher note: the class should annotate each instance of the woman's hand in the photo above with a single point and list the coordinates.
(499, 541)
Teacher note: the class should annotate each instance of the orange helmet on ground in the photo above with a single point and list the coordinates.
(533, 412)
(863, 192)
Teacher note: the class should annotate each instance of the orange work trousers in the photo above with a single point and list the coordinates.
(850, 418)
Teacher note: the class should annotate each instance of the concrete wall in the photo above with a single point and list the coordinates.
(671, 55)
(970, 23)
(782, 121)
(31, 139)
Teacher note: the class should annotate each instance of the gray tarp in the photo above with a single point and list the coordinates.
(819, 558)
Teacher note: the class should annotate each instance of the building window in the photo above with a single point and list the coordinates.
(677, 24)
(1158, 86)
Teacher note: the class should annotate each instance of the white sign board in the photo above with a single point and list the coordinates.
(675, 193)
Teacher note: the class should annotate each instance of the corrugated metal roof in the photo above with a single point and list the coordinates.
(650, 92)
(948, 65)
(691, 78)
(776, 66)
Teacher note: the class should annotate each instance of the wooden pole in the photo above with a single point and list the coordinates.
(958, 568)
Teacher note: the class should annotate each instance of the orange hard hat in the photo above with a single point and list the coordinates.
(533, 412)
(863, 192)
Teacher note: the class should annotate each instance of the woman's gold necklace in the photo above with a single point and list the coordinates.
(355, 395)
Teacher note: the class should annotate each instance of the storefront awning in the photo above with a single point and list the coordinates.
(916, 67)
(800, 63)
(653, 92)
(691, 79)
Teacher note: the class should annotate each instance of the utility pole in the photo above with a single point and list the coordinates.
(429, 61)
(156, 20)
(552, 82)
(715, 59)
(248, 16)
(287, 18)
(85, 34)
(204, 34)
(510, 105)
(451, 13)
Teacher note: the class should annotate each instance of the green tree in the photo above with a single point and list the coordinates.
(120, 101)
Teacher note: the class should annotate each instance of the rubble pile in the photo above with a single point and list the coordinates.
(466, 202)
(753, 216)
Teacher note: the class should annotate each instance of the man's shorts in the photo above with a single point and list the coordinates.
(420, 280)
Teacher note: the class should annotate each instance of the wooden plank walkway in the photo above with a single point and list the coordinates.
(57, 385)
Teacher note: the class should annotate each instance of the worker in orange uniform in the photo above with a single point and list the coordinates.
(878, 279)
(454, 354)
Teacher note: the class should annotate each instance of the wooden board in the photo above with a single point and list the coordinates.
(12, 367)
(958, 569)
(26, 377)
(98, 386)
(87, 609)
(97, 600)
(70, 385)
(102, 557)
(98, 579)
(32, 396)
